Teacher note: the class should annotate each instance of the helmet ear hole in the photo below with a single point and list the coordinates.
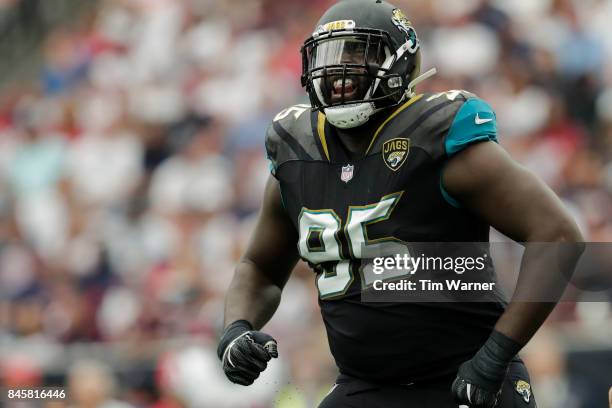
(394, 82)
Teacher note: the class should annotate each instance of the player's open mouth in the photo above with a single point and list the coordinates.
(350, 90)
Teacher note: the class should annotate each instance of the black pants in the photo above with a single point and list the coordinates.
(355, 393)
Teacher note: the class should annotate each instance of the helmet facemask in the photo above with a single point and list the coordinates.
(351, 74)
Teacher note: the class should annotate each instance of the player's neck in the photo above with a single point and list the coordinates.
(357, 140)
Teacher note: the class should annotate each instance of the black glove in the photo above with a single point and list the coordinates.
(479, 380)
(245, 353)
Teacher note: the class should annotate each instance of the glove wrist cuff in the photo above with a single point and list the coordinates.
(242, 324)
(502, 346)
(231, 332)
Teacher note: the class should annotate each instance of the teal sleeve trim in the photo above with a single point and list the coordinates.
(271, 164)
(282, 198)
(474, 122)
(272, 168)
(449, 199)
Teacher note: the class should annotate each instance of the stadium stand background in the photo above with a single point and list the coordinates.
(132, 167)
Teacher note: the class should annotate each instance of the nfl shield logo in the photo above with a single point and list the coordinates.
(347, 173)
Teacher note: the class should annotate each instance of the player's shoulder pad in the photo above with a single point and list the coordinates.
(426, 119)
(290, 136)
(475, 121)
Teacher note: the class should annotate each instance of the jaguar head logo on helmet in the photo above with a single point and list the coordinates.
(363, 57)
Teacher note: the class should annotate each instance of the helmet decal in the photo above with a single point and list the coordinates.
(404, 25)
(401, 21)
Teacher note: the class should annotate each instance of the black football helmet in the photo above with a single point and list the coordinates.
(364, 56)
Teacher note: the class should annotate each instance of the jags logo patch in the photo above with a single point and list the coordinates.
(395, 152)
(524, 389)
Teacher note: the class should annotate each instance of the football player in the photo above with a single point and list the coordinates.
(372, 162)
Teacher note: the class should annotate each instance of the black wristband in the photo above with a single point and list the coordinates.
(503, 346)
(488, 367)
(230, 333)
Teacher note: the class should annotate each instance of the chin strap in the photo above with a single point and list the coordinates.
(425, 75)
(347, 117)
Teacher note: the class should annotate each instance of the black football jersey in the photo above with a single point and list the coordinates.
(390, 196)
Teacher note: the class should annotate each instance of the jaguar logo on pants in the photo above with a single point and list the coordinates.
(524, 389)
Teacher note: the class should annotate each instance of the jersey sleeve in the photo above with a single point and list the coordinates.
(474, 122)
(290, 137)
(273, 143)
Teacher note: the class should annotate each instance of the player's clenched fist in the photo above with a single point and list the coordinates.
(470, 388)
(244, 352)
(479, 380)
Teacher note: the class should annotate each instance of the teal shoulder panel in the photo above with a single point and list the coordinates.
(475, 122)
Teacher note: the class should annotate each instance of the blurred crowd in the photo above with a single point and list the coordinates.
(132, 168)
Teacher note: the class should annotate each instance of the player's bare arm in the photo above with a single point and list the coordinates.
(255, 291)
(514, 201)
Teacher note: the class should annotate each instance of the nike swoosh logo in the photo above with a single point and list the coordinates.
(479, 121)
